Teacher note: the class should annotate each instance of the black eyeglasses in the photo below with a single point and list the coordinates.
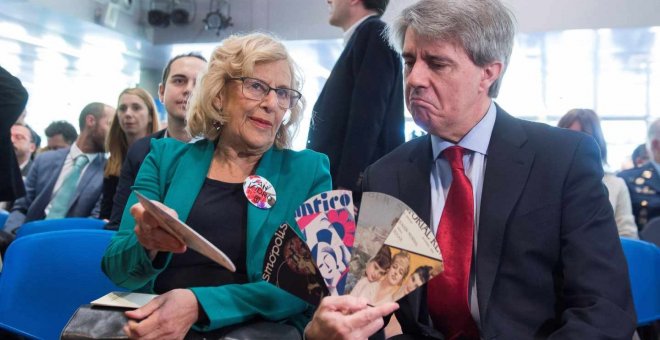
(257, 89)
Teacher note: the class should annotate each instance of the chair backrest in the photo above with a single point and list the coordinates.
(59, 224)
(651, 231)
(644, 267)
(47, 276)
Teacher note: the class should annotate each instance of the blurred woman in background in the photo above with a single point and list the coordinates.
(136, 117)
(585, 120)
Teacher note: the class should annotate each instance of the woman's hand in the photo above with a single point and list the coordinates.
(168, 316)
(347, 317)
(151, 235)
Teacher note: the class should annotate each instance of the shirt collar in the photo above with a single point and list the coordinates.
(22, 166)
(349, 32)
(75, 152)
(476, 140)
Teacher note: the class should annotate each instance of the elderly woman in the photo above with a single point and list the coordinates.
(135, 118)
(587, 121)
(245, 107)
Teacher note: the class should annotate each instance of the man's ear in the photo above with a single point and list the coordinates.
(161, 92)
(90, 121)
(490, 73)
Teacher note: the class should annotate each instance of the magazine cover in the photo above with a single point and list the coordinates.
(328, 223)
(379, 213)
(408, 259)
(288, 265)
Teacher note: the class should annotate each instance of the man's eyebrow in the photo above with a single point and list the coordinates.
(437, 58)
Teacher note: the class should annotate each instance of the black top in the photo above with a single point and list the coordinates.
(109, 189)
(129, 170)
(220, 215)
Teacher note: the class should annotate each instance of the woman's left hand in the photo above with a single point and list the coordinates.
(168, 316)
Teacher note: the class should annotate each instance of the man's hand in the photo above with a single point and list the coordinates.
(347, 317)
(168, 316)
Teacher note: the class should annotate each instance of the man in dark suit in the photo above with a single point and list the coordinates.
(179, 79)
(534, 252)
(644, 181)
(358, 116)
(50, 171)
(13, 98)
(23, 139)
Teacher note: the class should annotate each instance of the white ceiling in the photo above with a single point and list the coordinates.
(290, 19)
(307, 19)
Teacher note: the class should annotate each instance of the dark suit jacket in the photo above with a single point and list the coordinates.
(549, 261)
(39, 189)
(644, 187)
(358, 116)
(13, 98)
(129, 170)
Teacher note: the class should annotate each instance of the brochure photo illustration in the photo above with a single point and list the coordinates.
(390, 252)
(289, 265)
(328, 225)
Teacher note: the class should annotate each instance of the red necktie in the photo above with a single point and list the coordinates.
(448, 303)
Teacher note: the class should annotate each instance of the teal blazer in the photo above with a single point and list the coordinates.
(173, 173)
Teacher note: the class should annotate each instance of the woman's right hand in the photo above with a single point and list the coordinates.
(151, 234)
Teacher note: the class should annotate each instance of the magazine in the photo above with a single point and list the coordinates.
(379, 213)
(289, 265)
(185, 234)
(328, 223)
(409, 258)
(395, 251)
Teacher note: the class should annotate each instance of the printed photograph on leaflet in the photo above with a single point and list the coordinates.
(409, 258)
(379, 213)
(184, 233)
(288, 264)
(328, 224)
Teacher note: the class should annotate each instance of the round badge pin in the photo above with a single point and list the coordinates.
(259, 192)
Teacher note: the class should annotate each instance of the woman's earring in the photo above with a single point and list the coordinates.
(217, 125)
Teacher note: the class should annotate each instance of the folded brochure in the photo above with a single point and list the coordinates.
(185, 234)
(124, 300)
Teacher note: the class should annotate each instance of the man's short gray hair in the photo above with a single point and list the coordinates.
(484, 28)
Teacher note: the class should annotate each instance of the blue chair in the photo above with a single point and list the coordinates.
(644, 267)
(59, 224)
(47, 276)
(3, 217)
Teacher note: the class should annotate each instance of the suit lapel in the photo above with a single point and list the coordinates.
(413, 179)
(507, 169)
(414, 190)
(268, 168)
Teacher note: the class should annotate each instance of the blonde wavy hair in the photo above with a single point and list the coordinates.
(116, 142)
(236, 57)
